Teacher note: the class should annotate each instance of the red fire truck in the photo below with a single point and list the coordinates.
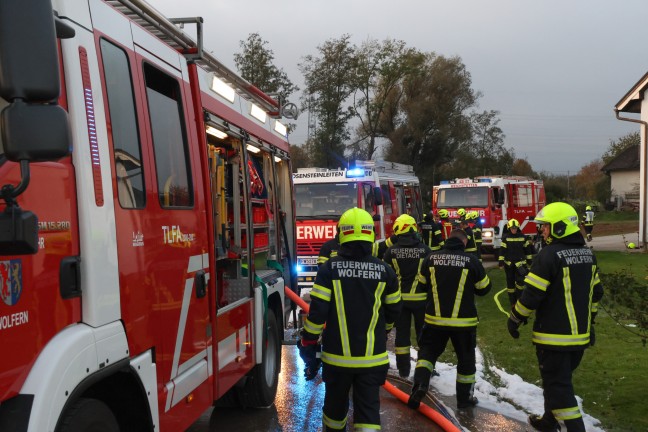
(146, 222)
(497, 199)
(384, 189)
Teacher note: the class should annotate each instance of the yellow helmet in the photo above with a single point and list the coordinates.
(461, 212)
(588, 208)
(562, 218)
(513, 223)
(473, 215)
(443, 213)
(404, 224)
(356, 224)
(631, 246)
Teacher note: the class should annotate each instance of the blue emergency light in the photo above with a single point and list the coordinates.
(355, 172)
(298, 268)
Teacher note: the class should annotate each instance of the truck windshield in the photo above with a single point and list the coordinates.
(463, 197)
(325, 199)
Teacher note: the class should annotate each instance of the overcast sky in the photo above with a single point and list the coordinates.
(554, 69)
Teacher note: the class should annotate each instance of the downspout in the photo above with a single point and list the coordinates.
(644, 180)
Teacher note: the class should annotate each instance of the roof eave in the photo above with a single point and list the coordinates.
(631, 101)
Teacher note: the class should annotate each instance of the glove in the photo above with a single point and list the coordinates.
(513, 327)
(522, 270)
(308, 351)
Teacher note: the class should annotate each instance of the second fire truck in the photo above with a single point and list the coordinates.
(384, 189)
(497, 199)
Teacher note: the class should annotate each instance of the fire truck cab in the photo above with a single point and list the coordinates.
(384, 189)
(146, 222)
(497, 199)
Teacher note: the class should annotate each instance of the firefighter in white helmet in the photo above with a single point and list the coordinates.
(354, 303)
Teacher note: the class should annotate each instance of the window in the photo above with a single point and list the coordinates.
(523, 196)
(387, 198)
(368, 193)
(123, 126)
(169, 139)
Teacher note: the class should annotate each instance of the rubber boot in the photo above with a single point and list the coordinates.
(404, 365)
(544, 424)
(465, 398)
(420, 387)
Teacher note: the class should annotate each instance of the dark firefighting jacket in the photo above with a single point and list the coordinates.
(356, 296)
(406, 257)
(380, 247)
(471, 246)
(477, 231)
(515, 248)
(431, 233)
(329, 250)
(563, 288)
(452, 278)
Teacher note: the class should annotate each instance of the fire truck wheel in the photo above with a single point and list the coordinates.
(88, 415)
(261, 386)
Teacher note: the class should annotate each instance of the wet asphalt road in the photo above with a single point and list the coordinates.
(298, 408)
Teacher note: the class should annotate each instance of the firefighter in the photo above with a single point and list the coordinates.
(356, 297)
(330, 248)
(515, 255)
(451, 278)
(471, 245)
(475, 223)
(405, 257)
(446, 225)
(587, 222)
(379, 248)
(564, 288)
(431, 232)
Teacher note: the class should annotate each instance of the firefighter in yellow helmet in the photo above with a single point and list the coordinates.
(354, 303)
(446, 225)
(476, 225)
(563, 288)
(515, 255)
(405, 257)
(452, 279)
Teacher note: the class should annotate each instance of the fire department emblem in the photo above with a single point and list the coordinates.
(10, 281)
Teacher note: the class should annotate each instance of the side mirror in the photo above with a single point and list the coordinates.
(378, 198)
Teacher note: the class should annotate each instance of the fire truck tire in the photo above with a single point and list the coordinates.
(90, 415)
(261, 386)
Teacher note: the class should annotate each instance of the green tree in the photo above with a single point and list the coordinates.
(484, 153)
(299, 156)
(255, 64)
(617, 146)
(329, 83)
(379, 70)
(427, 120)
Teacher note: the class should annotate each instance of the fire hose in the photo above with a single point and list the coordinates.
(430, 413)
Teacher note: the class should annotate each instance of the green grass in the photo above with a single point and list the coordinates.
(615, 216)
(613, 375)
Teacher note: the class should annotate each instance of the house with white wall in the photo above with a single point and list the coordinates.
(633, 107)
(623, 171)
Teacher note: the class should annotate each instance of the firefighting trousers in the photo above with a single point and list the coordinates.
(556, 369)
(514, 282)
(366, 397)
(433, 342)
(411, 310)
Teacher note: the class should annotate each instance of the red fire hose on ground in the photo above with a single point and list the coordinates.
(433, 415)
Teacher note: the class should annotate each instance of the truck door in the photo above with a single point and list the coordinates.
(160, 224)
